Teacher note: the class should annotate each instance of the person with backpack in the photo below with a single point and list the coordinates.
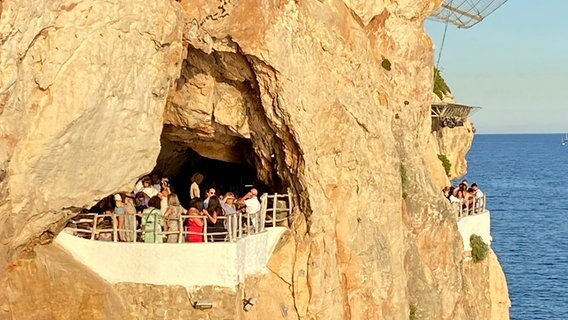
(152, 221)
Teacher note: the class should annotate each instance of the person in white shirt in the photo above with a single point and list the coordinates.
(148, 188)
(194, 192)
(251, 201)
(252, 205)
(478, 196)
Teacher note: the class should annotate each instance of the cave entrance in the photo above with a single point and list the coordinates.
(221, 175)
(227, 166)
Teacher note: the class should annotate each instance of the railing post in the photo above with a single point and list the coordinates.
(263, 209)
(114, 226)
(236, 222)
(155, 229)
(289, 204)
(180, 226)
(136, 228)
(230, 227)
(205, 229)
(235, 226)
(94, 229)
(248, 223)
(240, 222)
(274, 205)
(256, 222)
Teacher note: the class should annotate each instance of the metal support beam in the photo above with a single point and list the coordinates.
(463, 13)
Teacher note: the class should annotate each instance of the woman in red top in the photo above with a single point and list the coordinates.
(195, 222)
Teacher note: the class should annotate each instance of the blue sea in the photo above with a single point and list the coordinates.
(525, 177)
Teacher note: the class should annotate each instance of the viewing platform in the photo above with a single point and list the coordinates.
(473, 220)
(450, 115)
(245, 248)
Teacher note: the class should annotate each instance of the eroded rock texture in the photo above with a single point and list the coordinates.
(453, 143)
(334, 96)
(83, 87)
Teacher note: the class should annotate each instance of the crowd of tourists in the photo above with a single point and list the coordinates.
(464, 196)
(153, 207)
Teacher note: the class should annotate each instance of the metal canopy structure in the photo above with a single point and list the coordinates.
(451, 114)
(465, 13)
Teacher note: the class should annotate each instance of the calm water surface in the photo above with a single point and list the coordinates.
(526, 181)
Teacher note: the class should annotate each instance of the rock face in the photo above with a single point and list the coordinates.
(334, 97)
(53, 286)
(83, 87)
(486, 279)
(453, 143)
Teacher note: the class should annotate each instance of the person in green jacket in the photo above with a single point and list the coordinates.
(153, 220)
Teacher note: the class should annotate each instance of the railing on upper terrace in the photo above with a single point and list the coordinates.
(475, 206)
(275, 211)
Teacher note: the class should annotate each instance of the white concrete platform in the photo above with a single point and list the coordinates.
(479, 224)
(224, 264)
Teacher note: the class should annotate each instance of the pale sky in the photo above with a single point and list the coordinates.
(513, 64)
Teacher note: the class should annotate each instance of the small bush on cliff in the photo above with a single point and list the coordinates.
(403, 180)
(440, 87)
(412, 314)
(386, 64)
(479, 249)
(446, 163)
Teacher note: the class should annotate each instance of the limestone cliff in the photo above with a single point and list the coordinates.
(453, 143)
(334, 97)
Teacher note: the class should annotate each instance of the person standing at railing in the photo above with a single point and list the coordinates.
(479, 196)
(215, 225)
(252, 206)
(164, 194)
(210, 193)
(452, 195)
(194, 191)
(129, 219)
(470, 201)
(152, 220)
(105, 224)
(461, 191)
(172, 218)
(195, 221)
(229, 210)
(228, 204)
(148, 188)
(156, 181)
(141, 201)
(165, 184)
(119, 214)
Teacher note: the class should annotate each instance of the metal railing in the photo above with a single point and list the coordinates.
(277, 209)
(150, 227)
(469, 208)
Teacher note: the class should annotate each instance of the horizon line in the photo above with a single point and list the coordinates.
(487, 133)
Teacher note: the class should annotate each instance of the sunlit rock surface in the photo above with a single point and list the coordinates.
(83, 89)
(51, 285)
(334, 96)
(453, 143)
